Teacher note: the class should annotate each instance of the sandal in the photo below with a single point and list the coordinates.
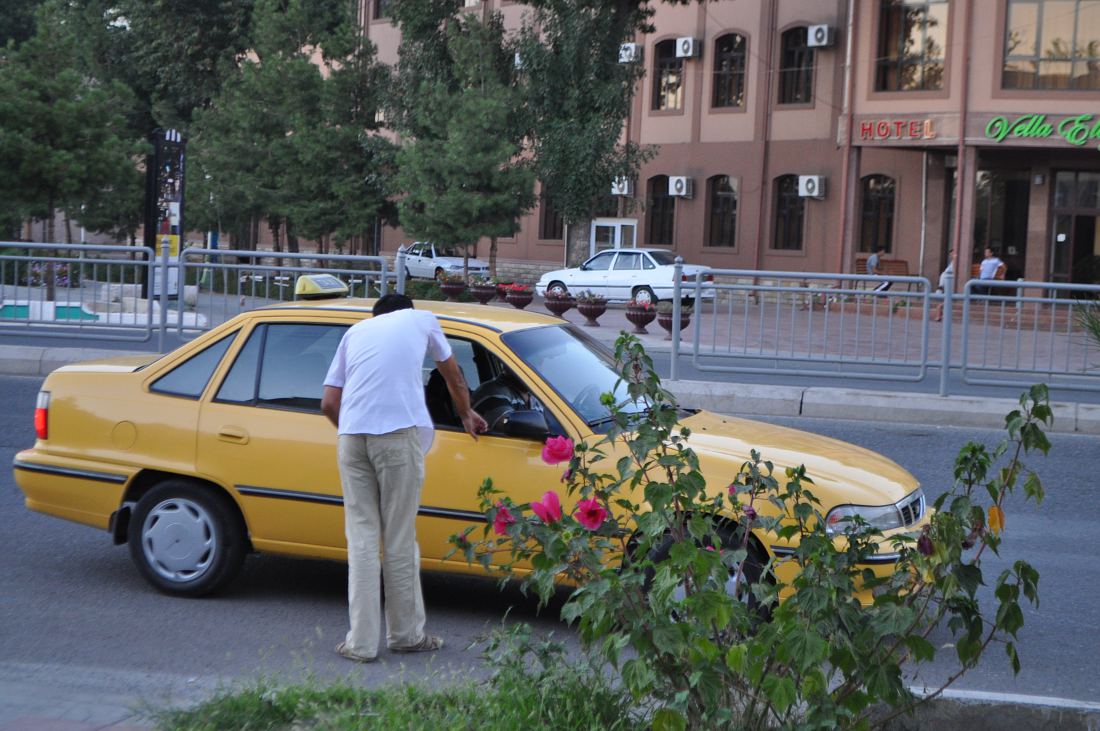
(430, 643)
(344, 651)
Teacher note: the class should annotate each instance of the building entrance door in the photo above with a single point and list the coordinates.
(612, 233)
(1000, 218)
(1075, 233)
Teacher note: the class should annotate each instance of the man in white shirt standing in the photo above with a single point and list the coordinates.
(374, 395)
(991, 268)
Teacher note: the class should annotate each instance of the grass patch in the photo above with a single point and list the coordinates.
(559, 697)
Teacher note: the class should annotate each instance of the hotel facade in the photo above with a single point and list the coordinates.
(799, 135)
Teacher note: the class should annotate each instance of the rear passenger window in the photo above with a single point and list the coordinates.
(189, 378)
(283, 365)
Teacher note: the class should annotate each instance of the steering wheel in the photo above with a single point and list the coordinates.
(587, 401)
(494, 401)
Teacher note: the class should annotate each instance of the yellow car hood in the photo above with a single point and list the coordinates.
(842, 473)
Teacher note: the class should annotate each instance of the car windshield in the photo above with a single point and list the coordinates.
(576, 366)
(663, 258)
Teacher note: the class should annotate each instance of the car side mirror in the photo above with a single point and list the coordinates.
(527, 423)
(584, 267)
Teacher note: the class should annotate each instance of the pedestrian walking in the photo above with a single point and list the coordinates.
(374, 395)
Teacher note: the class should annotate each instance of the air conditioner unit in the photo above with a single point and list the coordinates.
(811, 186)
(688, 47)
(820, 36)
(622, 186)
(680, 186)
(630, 53)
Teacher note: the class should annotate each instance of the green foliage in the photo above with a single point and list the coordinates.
(288, 138)
(673, 570)
(63, 137)
(459, 170)
(531, 686)
(17, 20)
(1088, 318)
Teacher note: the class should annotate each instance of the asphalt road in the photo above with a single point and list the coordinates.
(72, 605)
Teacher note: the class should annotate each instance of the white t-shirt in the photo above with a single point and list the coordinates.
(378, 365)
(989, 267)
(949, 271)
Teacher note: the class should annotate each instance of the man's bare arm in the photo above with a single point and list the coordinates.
(460, 395)
(330, 404)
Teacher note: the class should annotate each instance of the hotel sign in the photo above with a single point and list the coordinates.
(910, 130)
(1077, 130)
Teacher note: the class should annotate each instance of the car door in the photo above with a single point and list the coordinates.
(457, 465)
(592, 275)
(414, 261)
(623, 275)
(262, 433)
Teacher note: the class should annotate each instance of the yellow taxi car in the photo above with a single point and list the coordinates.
(218, 449)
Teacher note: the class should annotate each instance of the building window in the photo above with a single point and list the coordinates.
(668, 77)
(790, 212)
(722, 213)
(729, 71)
(796, 68)
(382, 9)
(1052, 44)
(661, 216)
(877, 213)
(551, 223)
(911, 45)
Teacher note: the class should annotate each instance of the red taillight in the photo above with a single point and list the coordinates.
(42, 415)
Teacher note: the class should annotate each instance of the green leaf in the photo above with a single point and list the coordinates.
(969, 577)
(780, 691)
(667, 719)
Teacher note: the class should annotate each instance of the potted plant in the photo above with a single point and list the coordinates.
(591, 306)
(452, 285)
(559, 303)
(502, 289)
(640, 314)
(519, 295)
(664, 317)
(483, 290)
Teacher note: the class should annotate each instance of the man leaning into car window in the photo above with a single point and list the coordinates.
(375, 398)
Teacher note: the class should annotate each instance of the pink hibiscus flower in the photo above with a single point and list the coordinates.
(590, 514)
(557, 450)
(503, 519)
(549, 508)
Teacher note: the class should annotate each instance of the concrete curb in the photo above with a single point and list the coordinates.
(981, 711)
(727, 398)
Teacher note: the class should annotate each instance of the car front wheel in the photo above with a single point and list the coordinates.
(185, 539)
(557, 289)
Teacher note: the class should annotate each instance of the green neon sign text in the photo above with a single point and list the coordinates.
(1076, 130)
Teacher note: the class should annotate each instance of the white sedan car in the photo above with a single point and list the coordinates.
(644, 275)
(431, 261)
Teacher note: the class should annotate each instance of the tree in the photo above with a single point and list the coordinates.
(461, 170)
(17, 20)
(63, 137)
(578, 96)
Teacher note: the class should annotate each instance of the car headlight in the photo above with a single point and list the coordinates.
(880, 517)
(907, 511)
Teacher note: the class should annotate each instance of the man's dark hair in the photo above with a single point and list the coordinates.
(391, 303)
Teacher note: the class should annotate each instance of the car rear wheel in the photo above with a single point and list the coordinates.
(644, 295)
(557, 289)
(185, 539)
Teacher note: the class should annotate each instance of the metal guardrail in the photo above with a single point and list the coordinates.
(832, 325)
(83, 291)
(1022, 327)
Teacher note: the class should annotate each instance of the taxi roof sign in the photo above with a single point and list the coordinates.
(319, 286)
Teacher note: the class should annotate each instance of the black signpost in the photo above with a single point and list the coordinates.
(164, 197)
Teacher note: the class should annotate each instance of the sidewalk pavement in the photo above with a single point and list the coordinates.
(741, 399)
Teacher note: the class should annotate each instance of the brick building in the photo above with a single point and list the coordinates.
(798, 134)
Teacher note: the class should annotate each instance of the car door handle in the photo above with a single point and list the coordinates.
(233, 434)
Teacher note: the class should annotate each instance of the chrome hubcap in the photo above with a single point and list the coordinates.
(178, 540)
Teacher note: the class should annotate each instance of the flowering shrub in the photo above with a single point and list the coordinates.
(587, 297)
(452, 278)
(518, 288)
(37, 274)
(665, 308)
(673, 570)
(634, 304)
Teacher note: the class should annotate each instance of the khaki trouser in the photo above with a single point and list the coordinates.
(381, 476)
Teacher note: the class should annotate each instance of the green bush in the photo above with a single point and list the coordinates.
(668, 568)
